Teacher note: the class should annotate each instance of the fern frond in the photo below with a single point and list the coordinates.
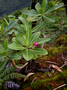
(1, 82)
(7, 71)
(14, 76)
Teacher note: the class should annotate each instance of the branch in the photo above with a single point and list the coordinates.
(57, 30)
(19, 67)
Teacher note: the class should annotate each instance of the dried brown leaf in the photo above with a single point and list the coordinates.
(28, 75)
(56, 67)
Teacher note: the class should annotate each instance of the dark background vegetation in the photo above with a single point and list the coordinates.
(9, 6)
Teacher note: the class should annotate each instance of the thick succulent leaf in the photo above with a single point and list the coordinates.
(55, 7)
(48, 19)
(38, 7)
(39, 51)
(38, 27)
(10, 25)
(31, 12)
(15, 46)
(44, 5)
(43, 40)
(1, 49)
(28, 35)
(2, 64)
(27, 55)
(34, 37)
(5, 44)
(14, 56)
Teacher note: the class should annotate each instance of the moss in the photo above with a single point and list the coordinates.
(28, 88)
(26, 84)
(53, 51)
(61, 78)
(61, 40)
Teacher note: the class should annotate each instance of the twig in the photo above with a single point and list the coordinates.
(64, 64)
(64, 59)
(33, 80)
(60, 86)
(57, 30)
(52, 62)
(40, 61)
(19, 67)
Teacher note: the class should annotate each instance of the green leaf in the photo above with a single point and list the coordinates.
(2, 28)
(2, 56)
(2, 64)
(25, 23)
(44, 5)
(34, 37)
(28, 35)
(1, 80)
(15, 40)
(43, 40)
(14, 56)
(38, 7)
(35, 56)
(22, 19)
(38, 27)
(41, 11)
(39, 51)
(1, 49)
(27, 55)
(5, 44)
(32, 18)
(0, 84)
(48, 19)
(23, 15)
(21, 39)
(20, 28)
(15, 46)
(55, 7)
(6, 21)
(10, 25)
(11, 16)
(31, 12)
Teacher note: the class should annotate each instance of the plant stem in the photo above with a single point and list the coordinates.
(19, 67)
